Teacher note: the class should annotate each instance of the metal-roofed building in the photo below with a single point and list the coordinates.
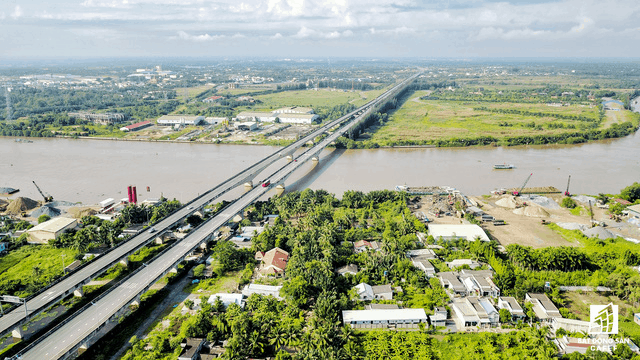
(381, 318)
(423, 264)
(49, 230)
(297, 118)
(449, 280)
(452, 232)
(511, 304)
(543, 307)
(170, 120)
(266, 290)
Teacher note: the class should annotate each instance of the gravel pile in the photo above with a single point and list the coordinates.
(599, 232)
(543, 201)
(59, 203)
(46, 210)
(572, 226)
(584, 199)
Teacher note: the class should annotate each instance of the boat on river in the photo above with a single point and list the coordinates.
(504, 166)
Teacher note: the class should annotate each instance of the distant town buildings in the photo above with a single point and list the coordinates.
(293, 115)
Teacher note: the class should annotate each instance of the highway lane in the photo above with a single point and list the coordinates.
(43, 300)
(69, 335)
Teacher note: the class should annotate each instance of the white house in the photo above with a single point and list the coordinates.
(227, 299)
(479, 283)
(439, 317)
(511, 304)
(381, 318)
(543, 307)
(423, 264)
(379, 292)
(266, 290)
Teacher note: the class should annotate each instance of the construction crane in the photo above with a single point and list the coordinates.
(46, 198)
(567, 193)
(517, 193)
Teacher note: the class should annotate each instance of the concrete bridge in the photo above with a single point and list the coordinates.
(87, 325)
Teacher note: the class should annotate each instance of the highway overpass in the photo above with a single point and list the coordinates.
(86, 325)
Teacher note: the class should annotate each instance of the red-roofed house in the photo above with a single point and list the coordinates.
(273, 262)
(363, 245)
(211, 99)
(136, 126)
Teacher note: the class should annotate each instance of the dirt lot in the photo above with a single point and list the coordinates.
(523, 224)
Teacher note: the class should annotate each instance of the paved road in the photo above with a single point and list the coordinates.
(60, 290)
(66, 337)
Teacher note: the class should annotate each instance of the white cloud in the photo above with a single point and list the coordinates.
(198, 38)
(17, 13)
(276, 36)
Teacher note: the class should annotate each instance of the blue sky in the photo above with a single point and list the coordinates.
(301, 28)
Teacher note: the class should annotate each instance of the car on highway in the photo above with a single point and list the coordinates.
(266, 183)
(152, 230)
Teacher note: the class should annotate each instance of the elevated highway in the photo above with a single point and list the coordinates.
(85, 326)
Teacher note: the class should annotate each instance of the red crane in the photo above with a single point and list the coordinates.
(517, 192)
(567, 193)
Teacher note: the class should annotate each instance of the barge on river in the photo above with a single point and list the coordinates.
(425, 190)
(503, 166)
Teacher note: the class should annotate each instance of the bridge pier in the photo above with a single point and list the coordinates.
(280, 190)
(125, 262)
(159, 240)
(248, 186)
(78, 292)
(315, 160)
(203, 245)
(237, 218)
(289, 158)
(17, 333)
(174, 270)
(82, 349)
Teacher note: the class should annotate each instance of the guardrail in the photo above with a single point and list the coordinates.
(351, 116)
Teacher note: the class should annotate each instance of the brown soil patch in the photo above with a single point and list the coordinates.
(20, 205)
(78, 213)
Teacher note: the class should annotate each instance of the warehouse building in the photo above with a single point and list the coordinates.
(382, 318)
(171, 120)
(452, 232)
(49, 230)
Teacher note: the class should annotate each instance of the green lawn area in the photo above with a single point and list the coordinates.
(19, 264)
(101, 130)
(310, 98)
(227, 283)
(419, 120)
(191, 92)
(246, 90)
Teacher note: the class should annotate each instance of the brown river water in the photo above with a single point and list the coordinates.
(88, 171)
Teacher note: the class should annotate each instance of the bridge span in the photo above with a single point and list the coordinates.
(88, 324)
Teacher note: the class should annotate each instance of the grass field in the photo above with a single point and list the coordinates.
(227, 283)
(191, 92)
(18, 264)
(310, 98)
(421, 120)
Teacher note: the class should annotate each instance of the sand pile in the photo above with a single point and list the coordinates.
(21, 204)
(507, 202)
(46, 210)
(78, 212)
(532, 211)
(599, 232)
